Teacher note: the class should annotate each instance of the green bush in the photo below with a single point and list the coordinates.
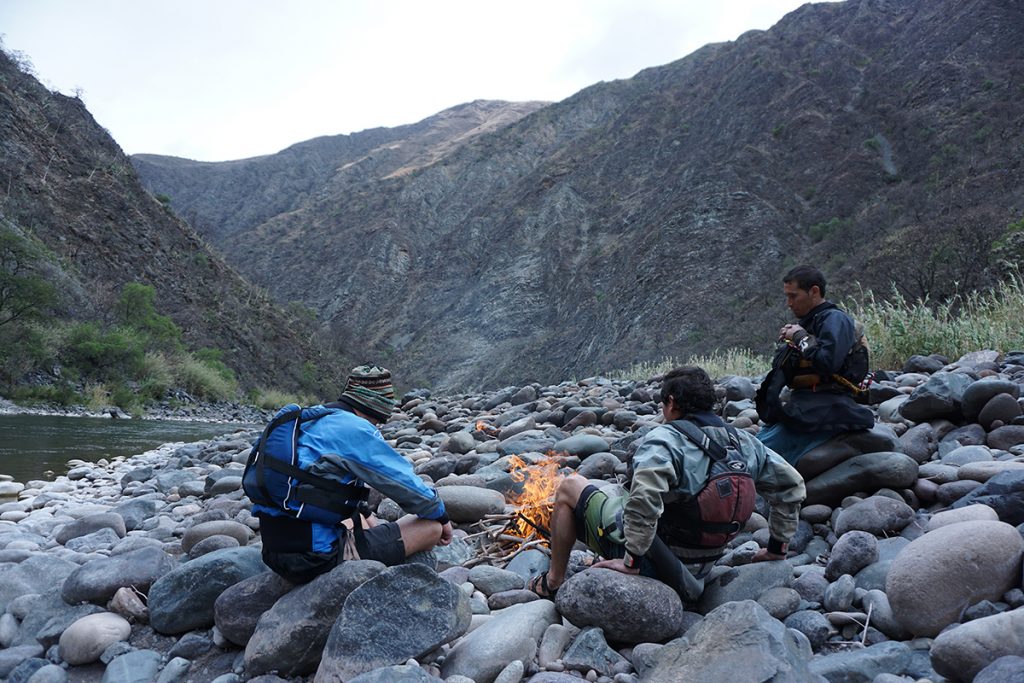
(103, 354)
(201, 379)
(60, 393)
(272, 399)
(136, 309)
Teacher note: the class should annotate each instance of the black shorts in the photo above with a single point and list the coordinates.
(382, 542)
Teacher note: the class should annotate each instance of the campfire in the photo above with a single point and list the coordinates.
(528, 526)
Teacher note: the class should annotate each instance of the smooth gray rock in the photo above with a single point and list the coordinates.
(211, 544)
(404, 612)
(196, 533)
(868, 472)
(137, 666)
(863, 665)
(489, 580)
(533, 441)
(630, 609)
(90, 524)
(238, 609)
(581, 445)
(468, 504)
(290, 636)
(747, 582)
(49, 673)
(780, 601)
(182, 599)
(962, 652)
(968, 513)
(1002, 408)
(940, 574)
(919, 442)
(984, 390)
(737, 641)
(877, 515)
(965, 454)
(512, 633)
(102, 539)
(852, 552)
(97, 581)
(86, 639)
(845, 445)
(1005, 438)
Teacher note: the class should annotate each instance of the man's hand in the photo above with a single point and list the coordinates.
(763, 555)
(788, 331)
(446, 534)
(617, 565)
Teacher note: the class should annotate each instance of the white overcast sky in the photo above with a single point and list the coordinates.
(229, 79)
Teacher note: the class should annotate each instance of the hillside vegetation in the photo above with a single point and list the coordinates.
(651, 216)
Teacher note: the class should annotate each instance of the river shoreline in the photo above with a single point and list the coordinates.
(217, 413)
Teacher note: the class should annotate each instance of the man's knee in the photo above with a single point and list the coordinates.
(570, 489)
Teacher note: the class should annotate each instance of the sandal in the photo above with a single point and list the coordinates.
(539, 585)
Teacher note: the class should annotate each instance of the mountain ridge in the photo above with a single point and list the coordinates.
(654, 216)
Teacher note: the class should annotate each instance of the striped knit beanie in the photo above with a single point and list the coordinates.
(369, 389)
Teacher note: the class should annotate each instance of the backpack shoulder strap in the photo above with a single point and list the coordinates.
(698, 436)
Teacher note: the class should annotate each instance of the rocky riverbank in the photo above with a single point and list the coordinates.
(227, 412)
(906, 565)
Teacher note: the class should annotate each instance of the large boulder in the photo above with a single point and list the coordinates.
(878, 515)
(941, 396)
(98, 580)
(182, 599)
(935, 578)
(405, 611)
(867, 472)
(86, 639)
(979, 393)
(962, 652)
(746, 582)
(238, 609)
(468, 504)
(91, 524)
(629, 609)
(509, 634)
(846, 445)
(581, 445)
(737, 641)
(290, 636)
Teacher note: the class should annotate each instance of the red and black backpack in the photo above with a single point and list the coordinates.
(712, 517)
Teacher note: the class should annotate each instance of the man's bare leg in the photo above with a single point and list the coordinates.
(563, 527)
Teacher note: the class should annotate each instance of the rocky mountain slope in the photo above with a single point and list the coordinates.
(880, 139)
(65, 182)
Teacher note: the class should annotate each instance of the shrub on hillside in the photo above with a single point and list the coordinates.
(103, 354)
(203, 380)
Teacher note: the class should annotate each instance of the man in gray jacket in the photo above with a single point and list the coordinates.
(638, 533)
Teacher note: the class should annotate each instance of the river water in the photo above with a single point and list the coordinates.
(39, 446)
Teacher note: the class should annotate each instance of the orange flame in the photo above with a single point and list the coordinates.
(537, 500)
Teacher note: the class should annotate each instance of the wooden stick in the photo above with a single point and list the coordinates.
(867, 621)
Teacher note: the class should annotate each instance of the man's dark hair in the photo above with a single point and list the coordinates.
(806, 277)
(690, 387)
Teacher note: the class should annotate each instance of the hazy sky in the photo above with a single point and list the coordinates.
(228, 79)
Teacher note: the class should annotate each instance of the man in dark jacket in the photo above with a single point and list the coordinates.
(814, 362)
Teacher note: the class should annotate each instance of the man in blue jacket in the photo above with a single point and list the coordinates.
(343, 444)
(815, 362)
